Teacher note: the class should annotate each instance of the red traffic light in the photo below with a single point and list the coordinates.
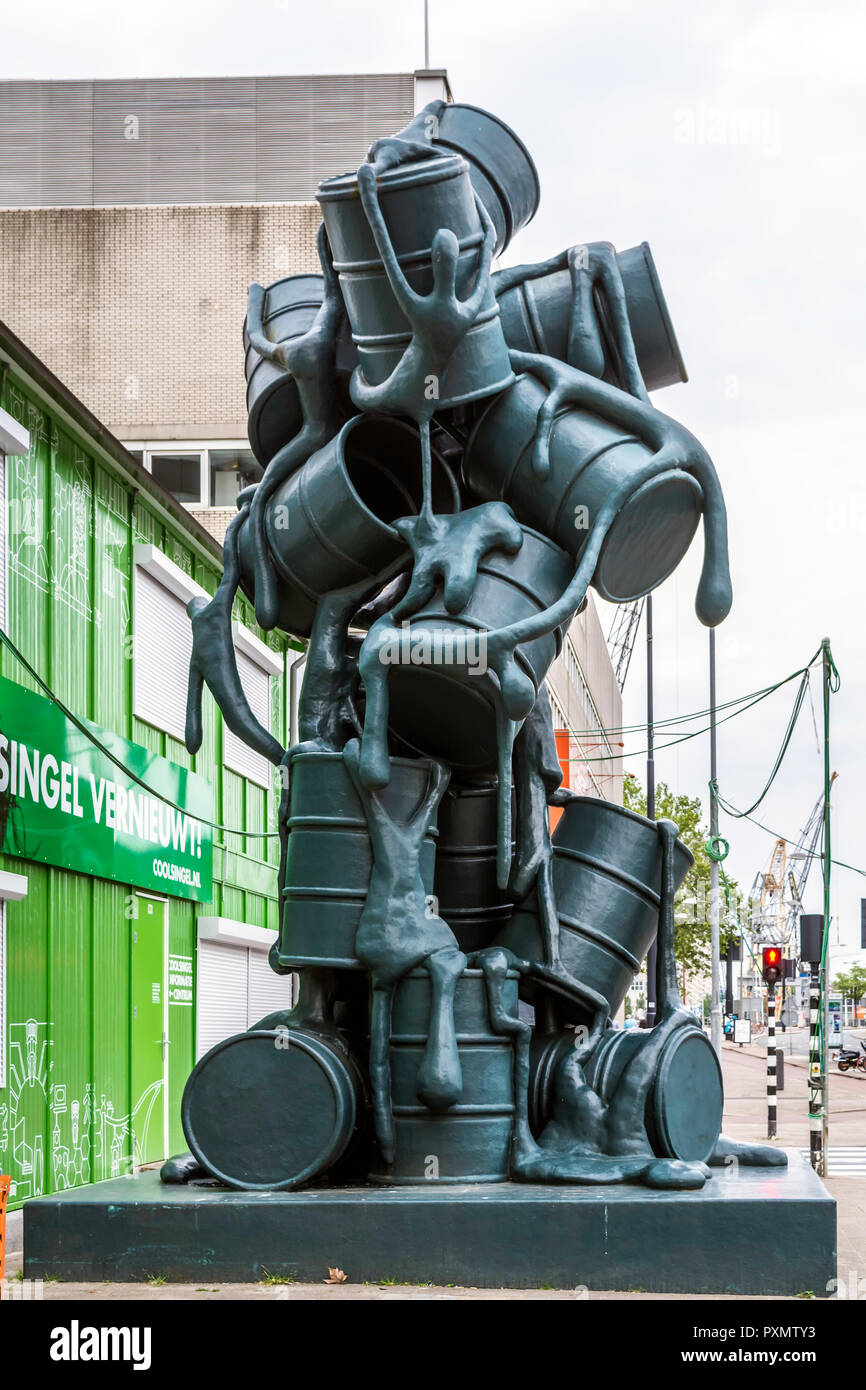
(771, 964)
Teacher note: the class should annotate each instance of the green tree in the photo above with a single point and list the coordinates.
(692, 917)
(851, 984)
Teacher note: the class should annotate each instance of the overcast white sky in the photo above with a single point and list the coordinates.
(729, 136)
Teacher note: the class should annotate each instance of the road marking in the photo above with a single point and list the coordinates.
(845, 1162)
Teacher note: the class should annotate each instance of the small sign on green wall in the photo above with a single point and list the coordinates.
(63, 802)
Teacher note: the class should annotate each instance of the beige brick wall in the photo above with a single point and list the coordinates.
(216, 520)
(139, 310)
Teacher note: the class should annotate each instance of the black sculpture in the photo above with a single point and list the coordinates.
(439, 495)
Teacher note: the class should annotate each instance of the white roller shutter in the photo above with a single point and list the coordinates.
(221, 996)
(236, 988)
(237, 755)
(162, 649)
(267, 991)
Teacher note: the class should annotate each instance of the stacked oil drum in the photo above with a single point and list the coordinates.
(295, 1087)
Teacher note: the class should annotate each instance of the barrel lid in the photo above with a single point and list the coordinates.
(269, 1109)
(688, 1097)
(649, 537)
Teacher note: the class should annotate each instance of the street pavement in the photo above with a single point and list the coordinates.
(745, 1118)
(795, 1042)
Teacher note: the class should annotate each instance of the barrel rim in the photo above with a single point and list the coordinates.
(337, 445)
(497, 120)
(674, 556)
(627, 813)
(298, 275)
(343, 187)
(322, 1052)
(664, 311)
(334, 756)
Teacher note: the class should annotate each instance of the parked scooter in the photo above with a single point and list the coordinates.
(850, 1059)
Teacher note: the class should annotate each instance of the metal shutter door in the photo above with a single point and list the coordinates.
(4, 546)
(221, 1001)
(267, 990)
(236, 754)
(162, 649)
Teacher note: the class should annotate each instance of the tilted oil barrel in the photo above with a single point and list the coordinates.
(416, 200)
(589, 458)
(685, 1094)
(471, 1141)
(465, 883)
(500, 166)
(607, 868)
(537, 314)
(329, 858)
(273, 407)
(272, 1109)
(328, 525)
(442, 697)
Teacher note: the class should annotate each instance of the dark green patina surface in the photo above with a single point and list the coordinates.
(728, 1238)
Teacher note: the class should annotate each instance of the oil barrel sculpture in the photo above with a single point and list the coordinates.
(452, 457)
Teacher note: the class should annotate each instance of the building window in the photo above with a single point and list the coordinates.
(162, 648)
(179, 474)
(229, 471)
(200, 475)
(162, 642)
(256, 664)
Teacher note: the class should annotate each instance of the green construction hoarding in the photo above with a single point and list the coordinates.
(63, 801)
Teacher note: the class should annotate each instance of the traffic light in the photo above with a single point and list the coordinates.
(771, 964)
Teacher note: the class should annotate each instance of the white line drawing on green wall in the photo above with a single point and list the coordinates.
(87, 1142)
(30, 1062)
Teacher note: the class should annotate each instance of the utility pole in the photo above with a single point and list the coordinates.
(652, 953)
(815, 941)
(771, 1061)
(426, 36)
(771, 970)
(715, 962)
(828, 670)
(816, 1061)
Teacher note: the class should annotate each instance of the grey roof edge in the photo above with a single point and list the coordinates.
(51, 388)
(213, 77)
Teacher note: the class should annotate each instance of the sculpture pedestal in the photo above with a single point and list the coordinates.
(763, 1231)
